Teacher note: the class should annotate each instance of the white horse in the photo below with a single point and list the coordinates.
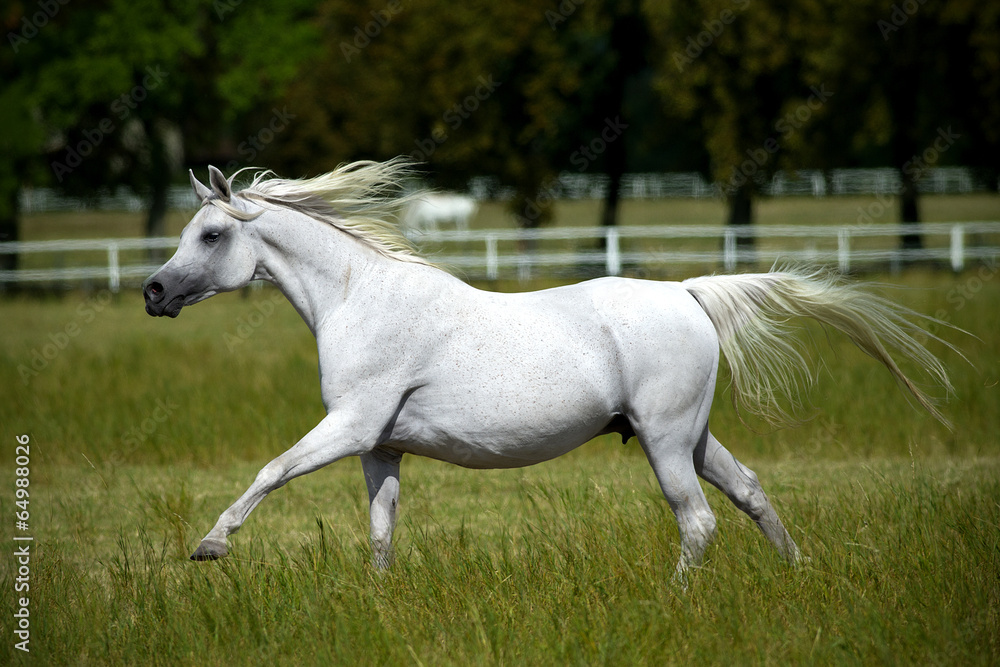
(425, 212)
(414, 361)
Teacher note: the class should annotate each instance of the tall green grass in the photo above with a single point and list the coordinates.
(144, 430)
(561, 564)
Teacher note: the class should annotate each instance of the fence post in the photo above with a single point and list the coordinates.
(729, 249)
(114, 273)
(844, 250)
(492, 268)
(612, 256)
(957, 248)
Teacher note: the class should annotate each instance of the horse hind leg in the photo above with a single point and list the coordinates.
(671, 460)
(719, 467)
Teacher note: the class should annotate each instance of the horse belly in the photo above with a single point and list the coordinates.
(513, 446)
(499, 426)
(520, 380)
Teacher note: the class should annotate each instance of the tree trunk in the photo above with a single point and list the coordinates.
(9, 231)
(909, 214)
(533, 209)
(628, 42)
(609, 214)
(741, 220)
(906, 139)
(616, 170)
(156, 218)
(159, 188)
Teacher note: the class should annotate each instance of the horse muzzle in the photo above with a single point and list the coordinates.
(158, 302)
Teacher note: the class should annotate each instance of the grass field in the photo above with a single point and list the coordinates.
(142, 431)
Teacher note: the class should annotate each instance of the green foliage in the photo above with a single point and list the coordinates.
(509, 90)
(122, 91)
(732, 64)
(262, 48)
(901, 72)
(21, 140)
(826, 84)
(512, 90)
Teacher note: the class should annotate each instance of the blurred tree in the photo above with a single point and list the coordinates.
(825, 83)
(117, 92)
(917, 87)
(823, 141)
(513, 90)
(734, 65)
(607, 48)
(464, 89)
(107, 92)
(21, 140)
(118, 89)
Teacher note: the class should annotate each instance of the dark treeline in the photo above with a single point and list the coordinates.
(100, 93)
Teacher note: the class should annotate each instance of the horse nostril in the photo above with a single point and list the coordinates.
(155, 288)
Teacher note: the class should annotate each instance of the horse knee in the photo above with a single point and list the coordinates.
(383, 524)
(753, 501)
(381, 541)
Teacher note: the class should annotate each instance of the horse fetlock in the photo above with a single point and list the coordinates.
(383, 556)
(797, 559)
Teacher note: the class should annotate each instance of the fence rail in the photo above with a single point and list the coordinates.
(729, 252)
(479, 254)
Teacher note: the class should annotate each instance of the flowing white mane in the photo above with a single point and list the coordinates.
(362, 199)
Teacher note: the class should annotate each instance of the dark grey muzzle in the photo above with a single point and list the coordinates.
(159, 301)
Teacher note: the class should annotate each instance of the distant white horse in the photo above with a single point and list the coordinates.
(414, 361)
(429, 210)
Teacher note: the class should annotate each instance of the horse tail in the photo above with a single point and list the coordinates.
(769, 372)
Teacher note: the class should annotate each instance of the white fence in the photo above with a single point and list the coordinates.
(111, 271)
(803, 182)
(495, 254)
(945, 243)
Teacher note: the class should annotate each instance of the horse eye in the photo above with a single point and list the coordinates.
(211, 237)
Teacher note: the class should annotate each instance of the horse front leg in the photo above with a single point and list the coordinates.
(382, 477)
(331, 440)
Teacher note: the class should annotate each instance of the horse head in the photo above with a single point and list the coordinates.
(215, 254)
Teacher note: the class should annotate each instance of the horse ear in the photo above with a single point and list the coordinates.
(200, 191)
(219, 184)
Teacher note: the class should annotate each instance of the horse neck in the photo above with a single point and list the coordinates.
(315, 265)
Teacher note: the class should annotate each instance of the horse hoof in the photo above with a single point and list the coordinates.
(209, 551)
